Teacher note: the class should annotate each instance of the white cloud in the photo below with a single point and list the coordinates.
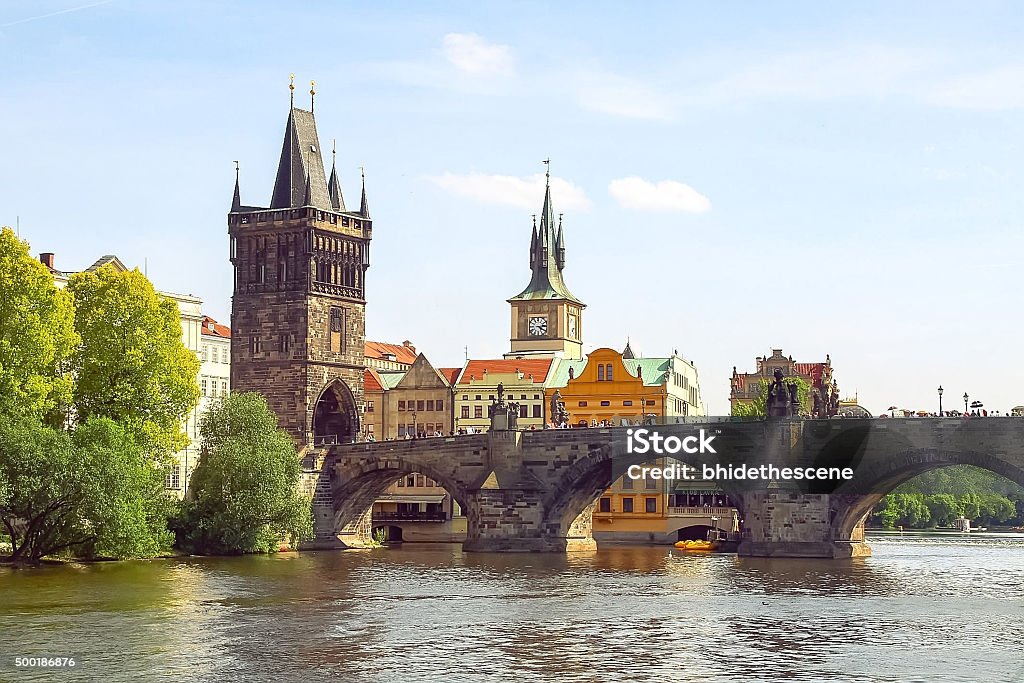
(666, 195)
(471, 54)
(527, 193)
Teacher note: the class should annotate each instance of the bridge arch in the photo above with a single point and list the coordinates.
(571, 501)
(356, 485)
(873, 481)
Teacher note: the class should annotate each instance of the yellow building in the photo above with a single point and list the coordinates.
(404, 403)
(522, 380)
(609, 388)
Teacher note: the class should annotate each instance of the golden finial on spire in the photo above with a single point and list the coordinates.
(547, 162)
(291, 88)
(312, 94)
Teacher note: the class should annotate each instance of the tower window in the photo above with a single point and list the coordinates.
(255, 344)
(337, 330)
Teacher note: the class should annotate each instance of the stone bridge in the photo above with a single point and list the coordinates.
(536, 490)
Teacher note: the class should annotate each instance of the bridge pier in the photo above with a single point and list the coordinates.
(509, 512)
(781, 523)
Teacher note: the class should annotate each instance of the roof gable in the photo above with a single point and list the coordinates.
(422, 375)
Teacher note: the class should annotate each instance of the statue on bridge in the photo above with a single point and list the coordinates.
(559, 415)
(782, 398)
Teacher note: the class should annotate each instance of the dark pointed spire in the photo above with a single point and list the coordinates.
(334, 183)
(547, 254)
(300, 162)
(560, 245)
(627, 353)
(236, 201)
(533, 243)
(364, 206)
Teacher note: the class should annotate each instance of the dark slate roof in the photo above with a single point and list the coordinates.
(301, 164)
(334, 189)
(547, 258)
(364, 206)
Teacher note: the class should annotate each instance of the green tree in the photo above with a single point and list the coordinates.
(757, 407)
(132, 365)
(244, 491)
(86, 493)
(36, 336)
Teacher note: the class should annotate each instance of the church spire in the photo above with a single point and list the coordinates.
(364, 206)
(236, 201)
(334, 183)
(547, 253)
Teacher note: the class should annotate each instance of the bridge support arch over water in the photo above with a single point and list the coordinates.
(535, 491)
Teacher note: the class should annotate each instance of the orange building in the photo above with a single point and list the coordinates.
(612, 388)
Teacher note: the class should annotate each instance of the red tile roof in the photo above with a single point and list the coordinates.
(538, 367)
(814, 370)
(450, 374)
(371, 381)
(401, 352)
(212, 328)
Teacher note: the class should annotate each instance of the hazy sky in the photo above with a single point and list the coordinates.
(820, 178)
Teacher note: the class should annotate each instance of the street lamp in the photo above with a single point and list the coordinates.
(965, 402)
(940, 400)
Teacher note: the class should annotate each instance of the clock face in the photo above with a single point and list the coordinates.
(572, 326)
(538, 326)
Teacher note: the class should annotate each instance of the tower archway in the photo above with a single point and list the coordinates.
(335, 415)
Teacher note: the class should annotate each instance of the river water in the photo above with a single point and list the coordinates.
(922, 608)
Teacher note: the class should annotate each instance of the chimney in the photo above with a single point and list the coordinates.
(408, 344)
(46, 258)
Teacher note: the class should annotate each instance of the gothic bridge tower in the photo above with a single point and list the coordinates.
(299, 304)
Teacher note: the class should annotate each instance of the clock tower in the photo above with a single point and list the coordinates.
(547, 320)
